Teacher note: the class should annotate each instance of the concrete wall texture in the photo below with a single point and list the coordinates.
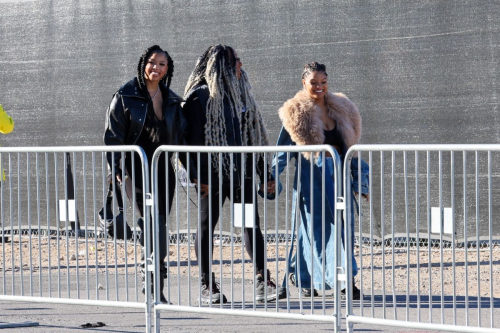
(420, 72)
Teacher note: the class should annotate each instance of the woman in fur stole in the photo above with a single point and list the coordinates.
(315, 116)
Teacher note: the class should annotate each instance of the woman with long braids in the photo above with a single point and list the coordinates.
(145, 112)
(221, 111)
(316, 116)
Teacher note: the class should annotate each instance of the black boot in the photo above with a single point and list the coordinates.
(356, 293)
(163, 276)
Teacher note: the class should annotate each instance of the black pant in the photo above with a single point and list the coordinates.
(204, 233)
(164, 200)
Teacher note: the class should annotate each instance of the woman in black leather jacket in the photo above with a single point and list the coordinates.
(145, 112)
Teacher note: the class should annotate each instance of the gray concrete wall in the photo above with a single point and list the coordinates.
(420, 72)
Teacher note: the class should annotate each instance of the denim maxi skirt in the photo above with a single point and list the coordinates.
(308, 258)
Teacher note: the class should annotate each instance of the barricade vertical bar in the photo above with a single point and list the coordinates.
(68, 280)
(478, 245)
(243, 241)
(264, 190)
(77, 227)
(122, 185)
(393, 166)
(452, 185)
(188, 218)
(441, 224)
(135, 224)
(2, 223)
(105, 236)
(84, 189)
(221, 159)
(490, 239)
(210, 231)
(337, 190)
(58, 219)
(19, 219)
(147, 244)
(417, 231)
(360, 229)
(200, 253)
(94, 206)
(348, 213)
(113, 186)
(11, 216)
(28, 187)
(47, 186)
(428, 200)
(382, 225)
(466, 245)
(311, 231)
(167, 201)
(151, 230)
(254, 202)
(231, 194)
(124, 225)
(40, 284)
(370, 157)
(323, 234)
(287, 219)
(407, 226)
(266, 180)
(297, 227)
(177, 207)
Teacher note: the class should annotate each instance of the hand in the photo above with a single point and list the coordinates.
(364, 195)
(203, 188)
(271, 186)
(119, 177)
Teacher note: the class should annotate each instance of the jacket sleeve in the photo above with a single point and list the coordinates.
(195, 136)
(114, 133)
(181, 129)
(362, 177)
(6, 122)
(280, 159)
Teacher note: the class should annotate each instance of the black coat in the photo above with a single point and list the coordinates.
(127, 113)
(195, 112)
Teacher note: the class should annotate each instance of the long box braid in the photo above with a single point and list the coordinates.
(217, 68)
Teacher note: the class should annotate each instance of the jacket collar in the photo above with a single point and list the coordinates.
(131, 89)
(302, 122)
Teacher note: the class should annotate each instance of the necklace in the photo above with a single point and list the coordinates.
(157, 90)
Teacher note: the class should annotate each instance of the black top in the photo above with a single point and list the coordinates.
(333, 137)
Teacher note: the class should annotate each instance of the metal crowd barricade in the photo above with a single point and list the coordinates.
(427, 242)
(55, 249)
(229, 262)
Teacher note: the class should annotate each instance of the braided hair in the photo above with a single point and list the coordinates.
(313, 67)
(217, 68)
(141, 66)
(153, 126)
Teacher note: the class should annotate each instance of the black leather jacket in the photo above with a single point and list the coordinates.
(127, 113)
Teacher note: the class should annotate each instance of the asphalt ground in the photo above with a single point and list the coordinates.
(68, 318)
